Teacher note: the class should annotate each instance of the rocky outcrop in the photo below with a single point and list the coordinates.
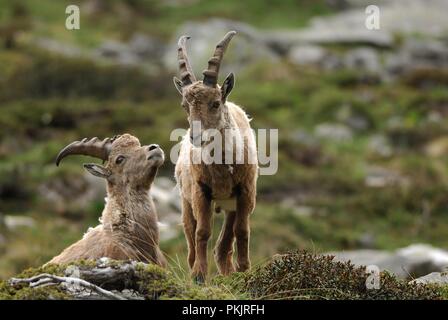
(249, 47)
(413, 261)
(167, 199)
(437, 278)
(391, 51)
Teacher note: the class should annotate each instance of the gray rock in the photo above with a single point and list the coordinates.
(412, 261)
(379, 145)
(363, 58)
(378, 177)
(167, 199)
(14, 222)
(118, 52)
(423, 17)
(307, 54)
(72, 194)
(334, 132)
(58, 47)
(146, 47)
(247, 47)
(93, 7)
(417, 54)
(352, 118)
(433, 278)
(367, 241)
(303, 137)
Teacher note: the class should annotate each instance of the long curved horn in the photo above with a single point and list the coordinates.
(93, 147)
(211, 73)
(185, 70)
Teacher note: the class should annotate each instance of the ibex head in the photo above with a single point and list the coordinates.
(204, 100)
(128, 163)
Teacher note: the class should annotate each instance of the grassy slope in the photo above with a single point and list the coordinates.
(41, 91)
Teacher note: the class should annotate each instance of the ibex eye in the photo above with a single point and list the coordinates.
(119, 159)
(216, 104)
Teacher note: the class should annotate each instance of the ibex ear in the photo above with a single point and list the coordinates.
(98, 170)
(178, 85)
(227, 86)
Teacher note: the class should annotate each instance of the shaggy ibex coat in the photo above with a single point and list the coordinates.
(202, 184)
(128, 228)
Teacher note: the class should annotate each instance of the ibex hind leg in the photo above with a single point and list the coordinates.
(224, 245)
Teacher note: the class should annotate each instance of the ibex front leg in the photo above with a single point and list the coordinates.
(202, 209)
(190, 230)
(245, 206)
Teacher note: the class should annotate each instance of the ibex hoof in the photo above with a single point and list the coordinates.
(199, 279)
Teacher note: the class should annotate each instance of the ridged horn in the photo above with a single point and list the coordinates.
(93, 147)
(186, 72)
(212, 72)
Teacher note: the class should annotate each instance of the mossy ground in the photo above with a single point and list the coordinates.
(299, 275)
(150, 281)
(24, 292)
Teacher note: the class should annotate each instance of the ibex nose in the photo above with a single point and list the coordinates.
(153, 146)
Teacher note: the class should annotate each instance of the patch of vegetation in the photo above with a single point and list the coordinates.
(157, 283)
(304, 275)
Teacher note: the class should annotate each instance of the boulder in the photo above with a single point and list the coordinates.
(417, 54)
(413, 261)
(307, 54)
(14, 222)
(433, 278)
(363, 58)
(379, 177)
(72, 194)
(146, 47)
(246, 48)
(334, 132)
(118, 52)
(379, 145)
(166, 196)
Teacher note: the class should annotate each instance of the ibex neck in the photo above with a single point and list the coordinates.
(127, 207)
(226, 120)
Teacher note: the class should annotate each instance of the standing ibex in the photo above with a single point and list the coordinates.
(200, 183)
(128, 228)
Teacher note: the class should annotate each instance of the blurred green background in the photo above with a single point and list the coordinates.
(362, 118)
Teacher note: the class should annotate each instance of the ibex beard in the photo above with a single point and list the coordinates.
(128, 228)
(202, 183)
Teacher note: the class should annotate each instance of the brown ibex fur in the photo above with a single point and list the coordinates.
(200, 183)
(128, 228)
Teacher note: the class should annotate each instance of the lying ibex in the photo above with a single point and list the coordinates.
(128, 228)
(201, 184)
